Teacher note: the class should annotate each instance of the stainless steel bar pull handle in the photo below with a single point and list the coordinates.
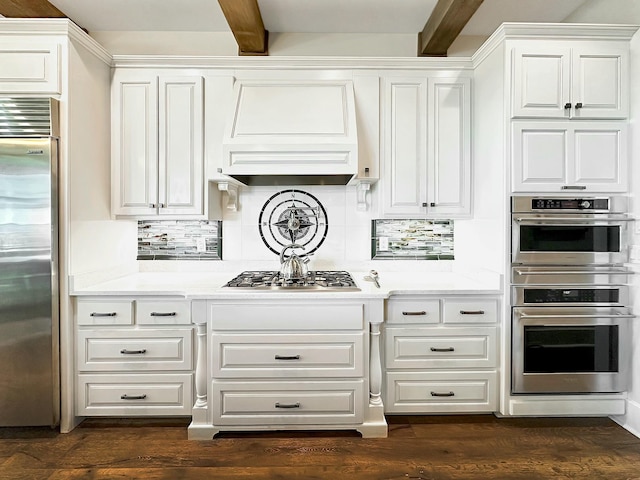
(543, 220)
(133, 397)
(574, 272)
(287, 405)
(574, 187)
(287, 357)
(471, 312)
(124, 351)
(448, 349)
(163, 314)
(445, 394)
(415, 313)
(621, 315)
(102, 314)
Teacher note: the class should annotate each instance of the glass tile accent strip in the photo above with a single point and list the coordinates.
(412, 239)
(179, 240)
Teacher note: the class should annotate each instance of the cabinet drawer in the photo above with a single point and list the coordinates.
(29, 67)
(282, 403)
(413, 311)
(127, 395)
(127, 350)
(287, 316)
(452, 347)
(163, 312)
(105, 312)
(470, 311)
(293, 355)
(432, 392)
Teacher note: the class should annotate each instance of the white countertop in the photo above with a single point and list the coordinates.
(199, 285)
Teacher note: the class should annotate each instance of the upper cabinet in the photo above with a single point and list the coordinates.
(157, 150)
(571, 80)
(426, 147)
(29, 67)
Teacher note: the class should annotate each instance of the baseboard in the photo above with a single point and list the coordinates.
(631, 419)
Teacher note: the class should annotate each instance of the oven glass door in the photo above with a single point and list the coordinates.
(566, 349)
(576, 241)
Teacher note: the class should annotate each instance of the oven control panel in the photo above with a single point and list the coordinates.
(569, 203)
(571, 295)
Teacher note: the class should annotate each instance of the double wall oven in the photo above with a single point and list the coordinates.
(569, 295)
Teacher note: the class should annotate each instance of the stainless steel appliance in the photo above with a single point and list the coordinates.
(563, 231)
(319, 280)
(29, 378)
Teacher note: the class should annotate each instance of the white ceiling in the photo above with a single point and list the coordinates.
(304, 16)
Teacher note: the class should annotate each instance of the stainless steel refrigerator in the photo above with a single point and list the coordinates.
(29, 293)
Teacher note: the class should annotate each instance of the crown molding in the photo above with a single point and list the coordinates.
(54, 27)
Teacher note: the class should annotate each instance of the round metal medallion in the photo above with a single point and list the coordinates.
(293, 216)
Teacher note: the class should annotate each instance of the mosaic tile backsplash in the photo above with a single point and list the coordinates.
(179, 240)
(412, 239)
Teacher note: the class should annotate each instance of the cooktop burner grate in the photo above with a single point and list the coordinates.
(320, 280)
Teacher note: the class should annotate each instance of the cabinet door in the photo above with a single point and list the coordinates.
(540, 156)
(600, 77)
(134, 143)
(569, 156)
(181, 157)
(449, 165)
(29, 66)
(599, 160)
(541, 81)
(405, 146)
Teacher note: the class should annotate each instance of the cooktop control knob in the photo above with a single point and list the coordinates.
(585, 204)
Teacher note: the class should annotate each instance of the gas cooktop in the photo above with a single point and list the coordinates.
(319, 280)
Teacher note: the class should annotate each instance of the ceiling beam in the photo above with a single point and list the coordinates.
(245, 21)
(29, 9)
(444, 25)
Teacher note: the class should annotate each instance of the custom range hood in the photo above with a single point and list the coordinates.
(291, 133)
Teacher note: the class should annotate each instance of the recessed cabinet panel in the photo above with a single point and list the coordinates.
(539, 156)
(406, 146)
(600, 82)
(599, 154)
(32, 68)
(541, 81)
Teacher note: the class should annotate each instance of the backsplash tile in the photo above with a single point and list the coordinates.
(412, 239)
(179, 240)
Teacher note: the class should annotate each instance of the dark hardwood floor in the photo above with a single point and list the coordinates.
(427, 448)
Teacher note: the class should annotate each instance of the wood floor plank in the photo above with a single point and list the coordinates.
(420, 447)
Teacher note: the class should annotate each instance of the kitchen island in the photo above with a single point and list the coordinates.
(270, 360)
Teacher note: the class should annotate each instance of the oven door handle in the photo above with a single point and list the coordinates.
(538, 220)
(621, 315)
(574, 272)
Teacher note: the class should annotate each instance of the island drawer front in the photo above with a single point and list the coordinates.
(287, 316)
(444, 392)
(128, 350)
(451, 347)
(283, 403)
(134, 394)
(413, 311)
(291, 355)
(470, 311)
(104, 312)
(163, 312)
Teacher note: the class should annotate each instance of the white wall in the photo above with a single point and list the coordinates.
(607, 11)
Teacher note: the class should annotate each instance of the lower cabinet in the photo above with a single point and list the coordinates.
(134, 357)
(287, 365)
(441, 355)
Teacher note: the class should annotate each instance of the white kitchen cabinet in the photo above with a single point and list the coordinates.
(569, 156)
(446, 363)
(134, 357)
(571, 80)
(157, 149)
(294, 364)
(30, 66)
(426, 147)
